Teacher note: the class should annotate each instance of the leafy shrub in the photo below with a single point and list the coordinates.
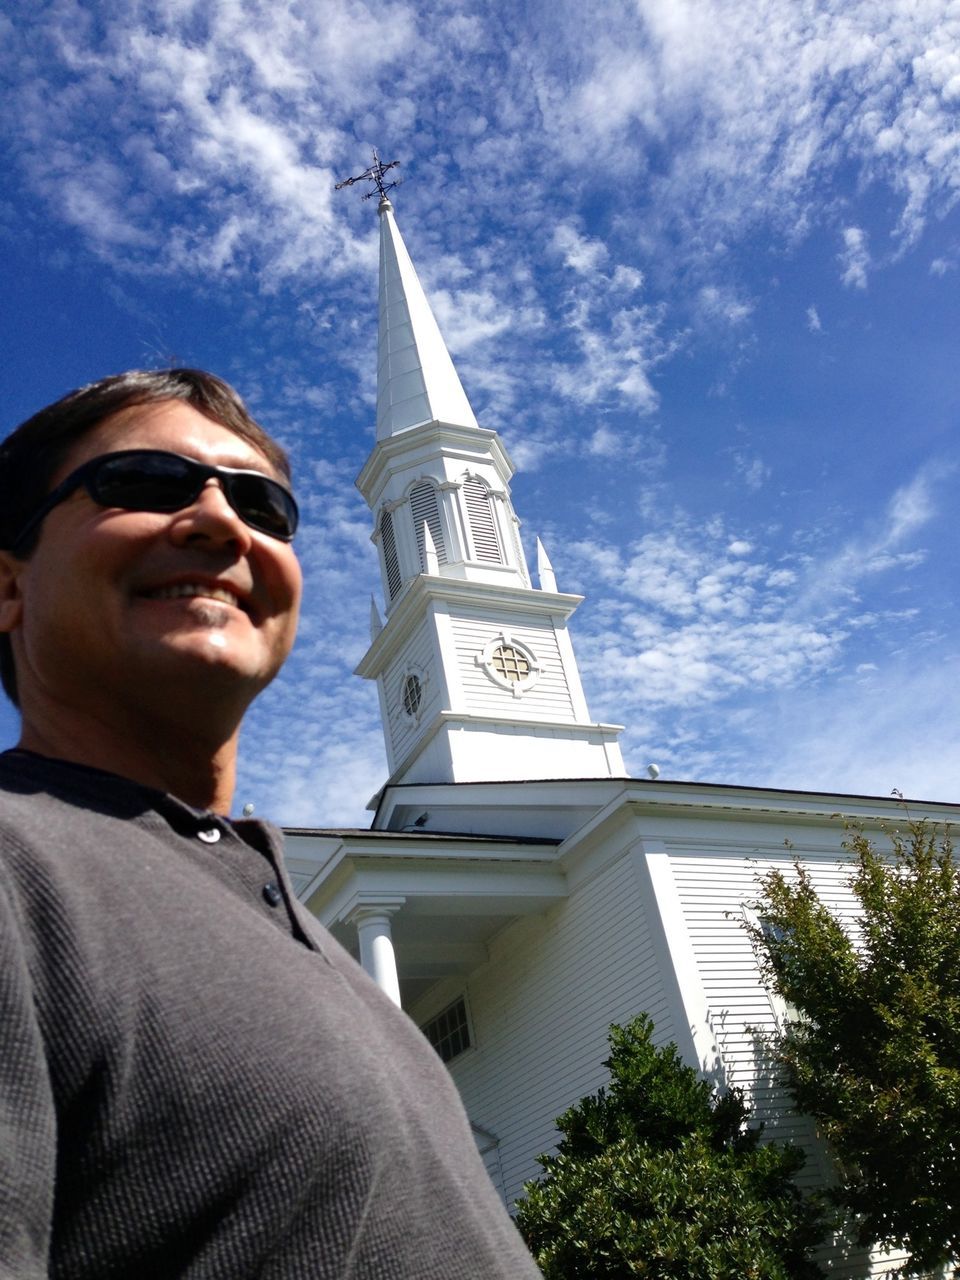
(658, 1176)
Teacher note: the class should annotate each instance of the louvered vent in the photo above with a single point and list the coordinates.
(426, 511)
(486, 545)
(390, 558)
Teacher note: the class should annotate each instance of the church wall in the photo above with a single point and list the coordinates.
(541, 1008)
(418, 652)
(548, 699)
(714, 884)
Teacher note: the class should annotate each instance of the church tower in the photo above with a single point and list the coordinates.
(473, 663)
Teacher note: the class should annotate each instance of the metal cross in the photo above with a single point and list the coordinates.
(373, 174)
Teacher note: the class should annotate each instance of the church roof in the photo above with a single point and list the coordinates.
(416, 379)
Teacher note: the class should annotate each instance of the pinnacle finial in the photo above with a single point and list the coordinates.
(376, 622)
(548, 579)
(375, 175)
(431, 563)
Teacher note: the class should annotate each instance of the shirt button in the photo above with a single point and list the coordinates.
(210, 836)
(272, 894)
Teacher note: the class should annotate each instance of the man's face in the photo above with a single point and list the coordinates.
(127, 606)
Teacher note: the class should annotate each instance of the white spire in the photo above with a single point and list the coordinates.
(431, 561)
(548, 579)
(376, 622)
(416, 380)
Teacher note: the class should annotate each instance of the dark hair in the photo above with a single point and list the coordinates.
(33, 453)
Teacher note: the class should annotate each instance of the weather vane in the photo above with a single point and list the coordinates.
(374, 174)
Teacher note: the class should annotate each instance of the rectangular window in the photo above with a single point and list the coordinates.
(783, 1011)
(449, 1031)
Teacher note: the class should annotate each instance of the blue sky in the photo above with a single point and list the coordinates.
(696, 261)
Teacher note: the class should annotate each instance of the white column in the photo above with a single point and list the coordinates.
(376, 948)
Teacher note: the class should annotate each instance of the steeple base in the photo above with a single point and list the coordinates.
(470, 748)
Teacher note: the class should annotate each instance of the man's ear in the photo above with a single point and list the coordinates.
(11, 599)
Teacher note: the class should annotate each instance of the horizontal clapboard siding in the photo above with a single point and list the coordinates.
(541, 1009)
(713, 887)
(548, 699)
(403, 728)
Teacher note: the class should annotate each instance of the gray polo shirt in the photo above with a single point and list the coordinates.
(195, 1079)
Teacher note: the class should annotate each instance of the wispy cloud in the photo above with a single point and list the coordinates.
(876, 549)
(692, 617)
(228, 130)
(855, 257)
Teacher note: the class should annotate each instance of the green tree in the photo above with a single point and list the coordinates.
(874, 1051)
(658, 1176)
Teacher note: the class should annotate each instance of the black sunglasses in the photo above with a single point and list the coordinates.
(153, 480)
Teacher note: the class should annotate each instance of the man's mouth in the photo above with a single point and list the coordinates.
(186, 590)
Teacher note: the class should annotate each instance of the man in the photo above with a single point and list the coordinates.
(195, 1081)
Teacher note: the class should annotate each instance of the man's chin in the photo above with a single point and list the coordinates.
(212, 653)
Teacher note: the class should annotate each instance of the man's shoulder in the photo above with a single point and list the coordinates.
(24, 789)
(27, 776)
(45, 803)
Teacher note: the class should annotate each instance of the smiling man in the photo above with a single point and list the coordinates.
(195, 1081)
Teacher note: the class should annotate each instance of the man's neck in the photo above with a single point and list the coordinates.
(199, 772)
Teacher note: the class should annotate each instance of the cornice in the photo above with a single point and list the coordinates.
(409, 610)
(393, 454)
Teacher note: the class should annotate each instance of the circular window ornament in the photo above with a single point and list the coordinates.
(412, 687)
(510, 664)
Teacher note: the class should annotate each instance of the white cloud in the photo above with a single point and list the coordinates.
(855, 257)
(814, 323)
(580, 253)
(626, 279)
(895, 729)
(472, 315)
(910, 508)
(689, 617)
(752, 105)
(877, 549)
(721, 303)
(604, 443)
(753, 470)
(617, 353)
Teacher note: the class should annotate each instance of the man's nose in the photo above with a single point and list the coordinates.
(211, 517)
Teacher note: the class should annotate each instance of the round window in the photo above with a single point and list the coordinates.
(510, 663)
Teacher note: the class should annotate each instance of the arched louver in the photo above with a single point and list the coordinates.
(426, 511)
(486, 544)
(391, 560)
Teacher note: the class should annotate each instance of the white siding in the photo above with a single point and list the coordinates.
(548, 699)
(713, 887)
(541, 1009)
(714, 884)
(418, 652)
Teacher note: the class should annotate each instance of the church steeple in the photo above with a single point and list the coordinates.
(416, 380)
(474, 666)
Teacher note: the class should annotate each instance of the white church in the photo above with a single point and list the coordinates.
(516, 891)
